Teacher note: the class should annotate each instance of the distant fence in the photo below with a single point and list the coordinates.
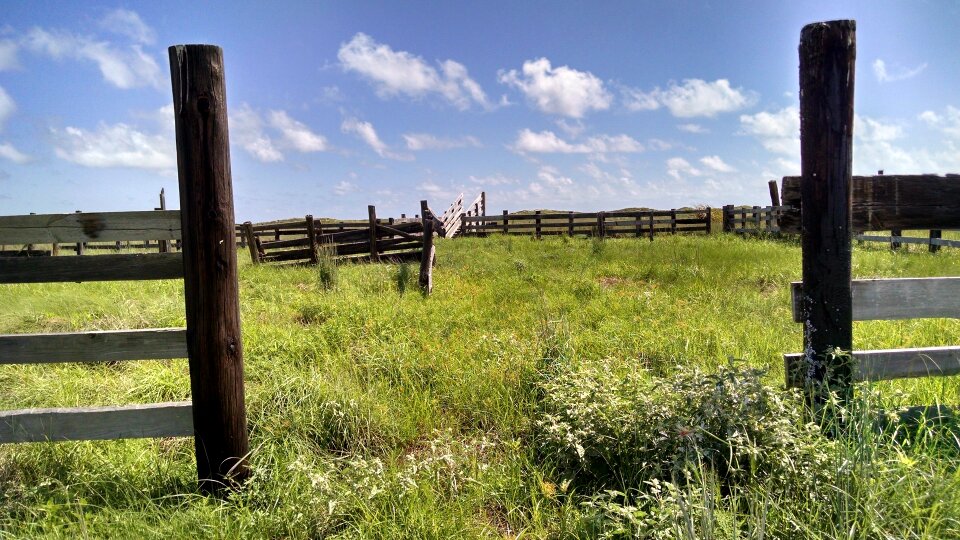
(640, 223)
(300, 242)
(752, 220)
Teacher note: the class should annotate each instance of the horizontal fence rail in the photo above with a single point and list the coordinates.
(134, 266)
(887, 364)
(90, 227)
(896, 298)
(97, 346)
(174, 419)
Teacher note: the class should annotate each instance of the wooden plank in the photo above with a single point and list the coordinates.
(885, 202)
(897, 298)
(391, 231)
(173, 419)
(288, 255)
(89, 227)
(134, 266)
(933, 241)
(99, 346)
(280, 244)
(882, 365)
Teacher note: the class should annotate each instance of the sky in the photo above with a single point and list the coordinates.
(555, 105)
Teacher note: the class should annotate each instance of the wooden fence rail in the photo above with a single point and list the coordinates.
(641, 223)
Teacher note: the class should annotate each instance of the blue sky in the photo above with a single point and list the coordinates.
(336, 105)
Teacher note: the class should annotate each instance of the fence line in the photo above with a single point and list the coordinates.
(640, 223)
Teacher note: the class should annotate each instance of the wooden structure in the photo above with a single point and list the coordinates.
(639, 223)
(752, 220)
(211, 340)
(827, 301)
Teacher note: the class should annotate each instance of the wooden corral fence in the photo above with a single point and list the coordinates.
(211, 341)
(752, 220)
(301, 242)
(640, 223)
(451, 222)
(828, 300)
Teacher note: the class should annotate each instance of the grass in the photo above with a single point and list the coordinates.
(376, 413)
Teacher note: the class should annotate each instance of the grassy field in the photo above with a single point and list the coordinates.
(559, 388)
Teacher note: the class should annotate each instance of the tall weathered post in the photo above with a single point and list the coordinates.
(429, 252)
(827, 55)
(372, 217)
(164, 246)
(214, 341)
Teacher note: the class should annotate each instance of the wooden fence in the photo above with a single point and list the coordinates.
(828, 300)
(301, 242)
(211, 341)
(752, 220)
(640, 223)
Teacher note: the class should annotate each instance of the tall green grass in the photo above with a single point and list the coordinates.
(375, 413)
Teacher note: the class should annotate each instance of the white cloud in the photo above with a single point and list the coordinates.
(547, 142)
(778, 131)
(869, 130)
(493, 180)
(948, 122)
(399, 72)
(426, 141)
(717, 164)
(8, 55)
(693, 128)
(563, 91)
(8, 152)
(366, 132)
(343, 187)
(7, 106)
(123, 68)
(128, 23)
(116, 145)
(896, 73)
(296, 134)
(678, 168)
(247, 130)
(695, 97)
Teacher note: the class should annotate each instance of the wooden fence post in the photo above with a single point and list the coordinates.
(894, 241)
(709, 220)
(214, 340)
(727, 217)
(651, 225)
(756, 219)
(570, 224)
(505, 220)
(372, 216)
(538, 223)
(312, 236)
(80, 245)
(935, 234)
(251, 242)
(673, 221)
(428, 254)
(827, 53)
(774, 193)
(600, 225)
(164, 246)
(483, 203)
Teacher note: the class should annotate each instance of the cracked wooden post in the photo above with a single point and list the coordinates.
(827, 54)
(214, 341)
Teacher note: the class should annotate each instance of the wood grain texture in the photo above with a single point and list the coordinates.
(880, 203)
(214, 339)
(896, 298)
(102, 346)
(172, 419)
(134, 266)
(90, 227)
(888, 364)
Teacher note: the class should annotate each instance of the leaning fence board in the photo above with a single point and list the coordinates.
(886, 364)
(897, 298)
(174, 419)
(127, 267)
(90, 227)
(106, 346)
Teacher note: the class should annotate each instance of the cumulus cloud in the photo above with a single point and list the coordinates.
(695, 97)
(547, 142)
(896, 72)
(343, 187)
(678, 168)
(426, 141)
(7, 106)
(693, 128)
(778, 131)
(8, 55)
(125, 68)
(128, 23)
(8, 152)
(116, 145)
(366, 133)
(247, 130)
(948, 122)
(296, 134)
(562, 91)
(716, 164)
(399, 72)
